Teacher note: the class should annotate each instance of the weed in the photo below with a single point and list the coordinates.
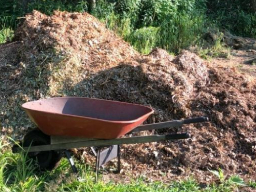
(225, 183)
(213, 47)
(252, 184)
(179, 32)
(144, 39)
(6, 34)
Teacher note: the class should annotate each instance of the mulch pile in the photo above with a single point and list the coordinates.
(74, 54)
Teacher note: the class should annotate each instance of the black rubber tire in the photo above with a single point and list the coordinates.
(46, 160)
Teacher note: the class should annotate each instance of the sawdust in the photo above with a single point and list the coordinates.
(74, 54)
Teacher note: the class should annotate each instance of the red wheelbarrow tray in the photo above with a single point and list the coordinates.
(86, 117)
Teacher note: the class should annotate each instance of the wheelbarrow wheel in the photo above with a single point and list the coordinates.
(46, 160)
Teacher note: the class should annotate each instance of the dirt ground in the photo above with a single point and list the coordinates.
(74, 54)
(242, 60)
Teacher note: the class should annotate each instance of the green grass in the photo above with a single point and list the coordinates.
(144, 39)
(6, 34)
(215, 49)
(18, 174)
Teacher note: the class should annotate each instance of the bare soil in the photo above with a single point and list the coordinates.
(74, 54)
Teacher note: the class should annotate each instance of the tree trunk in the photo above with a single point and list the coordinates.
(253, 3)
(91, 5)
(25, 5)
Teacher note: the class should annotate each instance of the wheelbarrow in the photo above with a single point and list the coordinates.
(73, 122)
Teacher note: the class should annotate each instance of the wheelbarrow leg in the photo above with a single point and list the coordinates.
(118, 155)
(107, 155)
(118, 159)
(94, 151)
(67, 153)
(97, 165)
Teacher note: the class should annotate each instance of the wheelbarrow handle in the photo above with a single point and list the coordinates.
(195, 120)
(169, 124)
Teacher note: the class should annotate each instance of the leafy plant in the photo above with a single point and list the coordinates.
(236, 16)
(227, 184)
(180, 32)
(6, 34)
(219, 174)
(213, 46)
(252, 184)
(144, 39)
(104, 10)
(128, 9)
(146, 14)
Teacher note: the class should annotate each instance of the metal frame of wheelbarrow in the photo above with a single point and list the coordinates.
(61, 143)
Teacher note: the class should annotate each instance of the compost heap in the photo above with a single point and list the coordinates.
(74, 54)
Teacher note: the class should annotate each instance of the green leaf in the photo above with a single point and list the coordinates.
(237, 180)
(219, 174)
